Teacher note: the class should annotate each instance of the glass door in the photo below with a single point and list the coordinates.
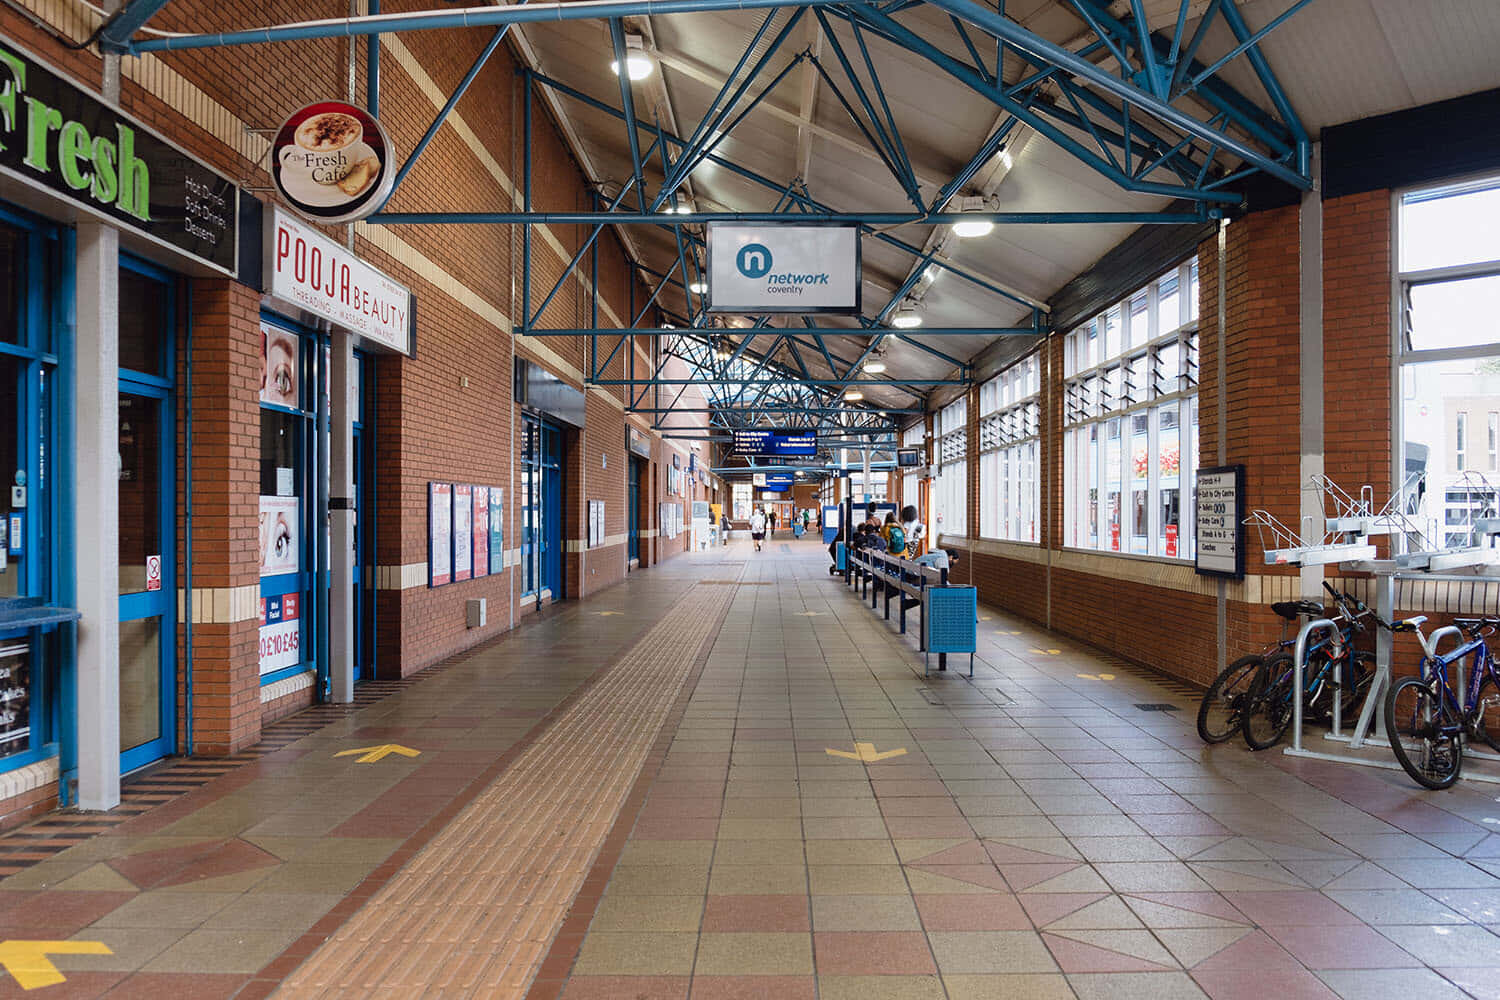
(633, 506)
(147, 521)
(552, 525)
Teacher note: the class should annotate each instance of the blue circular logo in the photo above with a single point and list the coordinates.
(753, 260)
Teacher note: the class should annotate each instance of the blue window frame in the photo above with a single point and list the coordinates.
(292, 360)
(541, 506)
(147, 514)
(36, 279)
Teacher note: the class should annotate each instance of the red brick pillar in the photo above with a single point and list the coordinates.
(1050, 471)
(225, 389)
(1356, 374)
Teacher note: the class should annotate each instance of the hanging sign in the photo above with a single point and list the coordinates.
(637, 442)
(1220, 521)
(86, 153)
(783, 268)
(309, 271)
(777, 443)
(331, 162)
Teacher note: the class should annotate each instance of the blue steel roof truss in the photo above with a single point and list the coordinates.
(1134, 104)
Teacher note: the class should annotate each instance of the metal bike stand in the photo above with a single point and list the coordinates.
(1299, 673)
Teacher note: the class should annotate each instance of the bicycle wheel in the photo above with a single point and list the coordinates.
(1221, 711)
(1485, 722)
(1423, 733)
(1269, 712)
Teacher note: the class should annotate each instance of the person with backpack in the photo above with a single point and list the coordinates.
(895, 536)
(914, 530)
(757, 527)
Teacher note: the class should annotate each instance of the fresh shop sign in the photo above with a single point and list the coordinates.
(57, 136)
(308, 271)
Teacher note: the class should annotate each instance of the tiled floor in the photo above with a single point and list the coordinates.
(1040, 837)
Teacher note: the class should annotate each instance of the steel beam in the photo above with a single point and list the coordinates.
(115, 35)
(464, 17)
(884, 219)
(847, 331)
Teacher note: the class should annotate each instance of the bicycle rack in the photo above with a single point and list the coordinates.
(1415, 554)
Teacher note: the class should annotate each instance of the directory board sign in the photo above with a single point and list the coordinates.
(778, 482)
(783, 268)
(1219, 516)
(782, 443)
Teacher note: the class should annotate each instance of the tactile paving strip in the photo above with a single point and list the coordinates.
(474, 912)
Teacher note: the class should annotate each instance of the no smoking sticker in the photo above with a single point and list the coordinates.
(153, 572)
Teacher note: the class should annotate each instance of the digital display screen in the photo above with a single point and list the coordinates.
(799, 443)
(908, 458)
(778, 483)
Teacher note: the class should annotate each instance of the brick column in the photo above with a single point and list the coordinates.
(226, 368)
(1357, 342)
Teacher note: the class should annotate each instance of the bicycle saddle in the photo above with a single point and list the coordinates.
(1291, 609)
(1408, 624)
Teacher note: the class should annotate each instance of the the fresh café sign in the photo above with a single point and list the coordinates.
(782, 267)
(307, 270)
(55, 135)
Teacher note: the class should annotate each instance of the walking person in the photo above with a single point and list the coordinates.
(757, 527)
(771, 520)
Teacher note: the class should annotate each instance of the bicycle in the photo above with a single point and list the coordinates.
(1425, 722)
(1270, 709)
(1221, 712)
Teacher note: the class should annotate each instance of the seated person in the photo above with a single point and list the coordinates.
(937, 559)
(874, 541)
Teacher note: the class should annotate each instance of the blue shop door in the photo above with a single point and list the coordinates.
(148, 586)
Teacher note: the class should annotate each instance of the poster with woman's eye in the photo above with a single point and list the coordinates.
(279, 378)
(279, 549)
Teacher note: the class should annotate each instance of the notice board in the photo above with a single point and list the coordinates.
(1219, 521)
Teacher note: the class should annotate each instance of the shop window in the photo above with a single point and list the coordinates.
(32, 270)
(1009, 439)
(287, 424)
(950, 497)
(144, 312)
(1448, 241)
(1130, 422)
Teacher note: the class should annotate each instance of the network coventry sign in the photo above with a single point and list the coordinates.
(783, 268)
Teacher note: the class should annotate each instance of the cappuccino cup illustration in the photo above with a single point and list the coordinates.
(323, 148)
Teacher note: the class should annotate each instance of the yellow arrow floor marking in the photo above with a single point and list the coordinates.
(372, 754)
(1097, 677)
(1001, 631)
(865, 752)
(984, 618)
(1046, 652)
(28, 964)
(809, 614)
(606, 614)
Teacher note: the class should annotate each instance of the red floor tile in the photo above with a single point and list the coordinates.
(872, 953)
(1075, 956)
(970, 912)
(756, 913)
(1290, 908)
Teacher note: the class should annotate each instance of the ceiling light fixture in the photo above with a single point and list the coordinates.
(853, 395)
(697, 287)
(637, 64)
(971, 228)
(1006, 158)
(906, 317)
(874, 366)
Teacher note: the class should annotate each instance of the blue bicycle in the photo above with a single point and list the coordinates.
(1425, 722)
(1269, 709)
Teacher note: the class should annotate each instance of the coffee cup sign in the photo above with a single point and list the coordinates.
(331, 162)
